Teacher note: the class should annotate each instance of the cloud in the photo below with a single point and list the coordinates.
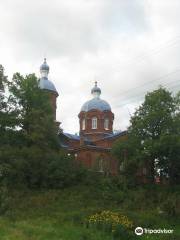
(66, 28)
(128, 46)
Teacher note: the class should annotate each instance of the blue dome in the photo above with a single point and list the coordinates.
(44, 66)
(96, 103)
(96, 89)
(44, 83)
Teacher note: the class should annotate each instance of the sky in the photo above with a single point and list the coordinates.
(129, 47)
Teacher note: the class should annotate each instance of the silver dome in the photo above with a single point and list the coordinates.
(96, 89)
(44, 66)
(44, 83)
(96, 103)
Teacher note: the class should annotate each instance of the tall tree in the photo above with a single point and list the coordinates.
(29, 153)
(33, 112)
(155, 121)
(168, 148)
(3, 106)
(29, 131)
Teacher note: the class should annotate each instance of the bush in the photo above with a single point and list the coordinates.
(62, 172)
(123, 234)
(111, 222)
(37, 168)
(4, 200)
(171, 206)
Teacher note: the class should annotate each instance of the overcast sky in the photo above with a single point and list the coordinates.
(128, 46)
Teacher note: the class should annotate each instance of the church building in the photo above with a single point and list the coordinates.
(92, 147)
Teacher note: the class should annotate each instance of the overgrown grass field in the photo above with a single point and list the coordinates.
(61, 214)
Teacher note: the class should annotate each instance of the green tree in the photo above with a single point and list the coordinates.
(3, 104)
(168, 148)
(153, 136)
(34, 116)
(30, 153)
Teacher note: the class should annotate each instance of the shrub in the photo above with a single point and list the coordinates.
(4, 200)
(36, 168)
(171, 205)
(111, 222)
(123, 233)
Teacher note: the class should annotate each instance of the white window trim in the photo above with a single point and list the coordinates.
(94, 123)
(106, 123)
(83, 124)
(101, 167)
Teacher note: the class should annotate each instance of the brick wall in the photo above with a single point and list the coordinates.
(98, 133)
(53, 97)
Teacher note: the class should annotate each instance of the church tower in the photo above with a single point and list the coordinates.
(48, 86)
(96, 118)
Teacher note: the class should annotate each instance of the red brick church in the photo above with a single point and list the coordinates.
(92, 147)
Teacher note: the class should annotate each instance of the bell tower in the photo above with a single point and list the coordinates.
(95, 117)
(48, 86)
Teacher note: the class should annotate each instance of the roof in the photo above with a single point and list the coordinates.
(91, 147)
(77, 137)
(44, 66)
(88, 143)
(114, 135)
(72, 136)
(96, 103)
(44, 83)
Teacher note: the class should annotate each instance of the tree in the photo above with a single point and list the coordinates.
(30, 153)
(3, 104)
(168, 148)
(153, 125)
(34, 116)
(28, 128)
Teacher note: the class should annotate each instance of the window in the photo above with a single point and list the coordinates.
(101, 167)
(83, 124)
(121, 167)
(94, 123)
(106, 124)
(144, 171)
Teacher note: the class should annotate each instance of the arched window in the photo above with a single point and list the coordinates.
(106, 124)
(101, 167)
(83, 124)
(94, 123)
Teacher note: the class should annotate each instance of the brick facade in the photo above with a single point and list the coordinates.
(100, 131)
(53, 97)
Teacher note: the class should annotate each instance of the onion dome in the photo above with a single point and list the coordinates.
(96, 91)
(44, 66)
(96, 103)
(44, 82)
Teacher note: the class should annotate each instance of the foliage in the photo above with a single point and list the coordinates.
(171, 206)
(3, 80)
(29, 145)
(60, 214)
(123, 233)
(4, 200)
(34, 114)
(109, 220)
(153, 139)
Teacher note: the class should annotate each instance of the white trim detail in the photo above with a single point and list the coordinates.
(94, 123)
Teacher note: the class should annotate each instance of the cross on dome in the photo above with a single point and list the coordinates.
(44, 82)
(44, 69)
(96, 91)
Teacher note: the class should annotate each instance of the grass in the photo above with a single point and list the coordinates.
(60, 214)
